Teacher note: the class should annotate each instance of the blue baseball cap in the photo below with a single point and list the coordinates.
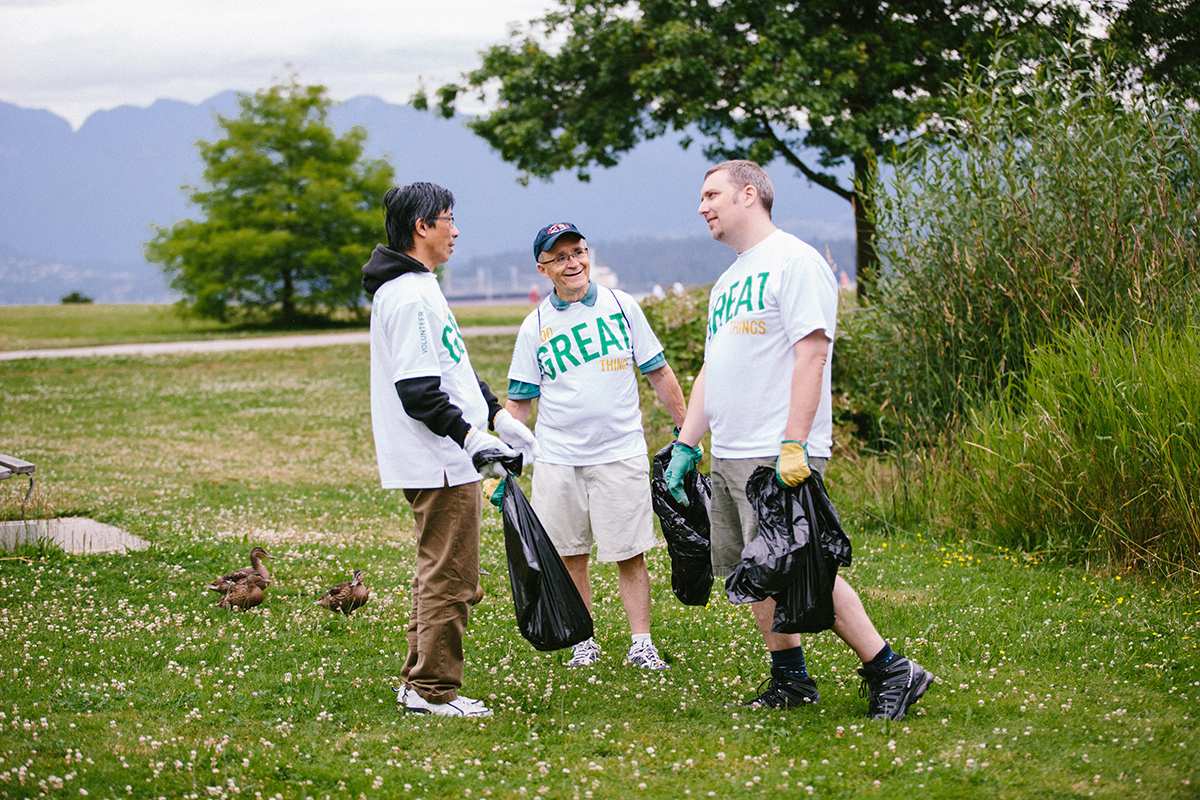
(548, 235)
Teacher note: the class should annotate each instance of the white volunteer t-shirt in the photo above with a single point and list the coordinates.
(414, 335)
(774, 295)
(583, 358)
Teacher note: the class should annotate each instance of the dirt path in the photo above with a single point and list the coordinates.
(223, 345)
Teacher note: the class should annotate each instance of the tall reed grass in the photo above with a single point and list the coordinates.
(1103, 456)
(1049, 199)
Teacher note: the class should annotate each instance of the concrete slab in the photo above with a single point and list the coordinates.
(73, 534)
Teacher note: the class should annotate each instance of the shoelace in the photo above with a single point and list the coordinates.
(591, 649)
(886, 697)
(645, 652)
(767, 690)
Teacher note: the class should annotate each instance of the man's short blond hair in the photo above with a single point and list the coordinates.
(746, 173)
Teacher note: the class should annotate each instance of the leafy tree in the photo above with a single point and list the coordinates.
(1161, 37)
(759, 79)
(291, 212)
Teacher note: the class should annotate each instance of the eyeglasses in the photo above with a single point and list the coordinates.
(447, 216)
(579, 254)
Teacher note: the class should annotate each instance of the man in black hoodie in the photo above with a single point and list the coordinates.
(431, 415)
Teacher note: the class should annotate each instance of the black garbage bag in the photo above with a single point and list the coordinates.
(796, 555)
(513, 464)
(686, 529)
(550, 612)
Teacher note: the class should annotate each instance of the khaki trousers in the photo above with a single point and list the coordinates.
(734, 523)
(447, 522)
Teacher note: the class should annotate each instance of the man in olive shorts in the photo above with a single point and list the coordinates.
(764, 392)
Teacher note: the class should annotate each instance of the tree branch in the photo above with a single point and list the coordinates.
(818, 178)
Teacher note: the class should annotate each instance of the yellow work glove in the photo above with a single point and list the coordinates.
(791, 468)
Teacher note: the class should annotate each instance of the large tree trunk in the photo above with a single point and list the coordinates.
(867, 261)
(287, 298)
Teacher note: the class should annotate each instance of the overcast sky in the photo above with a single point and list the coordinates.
(74, 57)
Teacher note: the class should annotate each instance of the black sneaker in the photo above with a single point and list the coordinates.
(784, 691)
(895, 687)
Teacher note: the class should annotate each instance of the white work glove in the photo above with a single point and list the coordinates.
(517, 436)
(477, 442)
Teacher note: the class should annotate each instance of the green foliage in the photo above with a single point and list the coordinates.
(291, 212)
(859, 402)
(759, 79)
(680, 321)
(1158, 39)
(1102, 457)
(76, 297)
(1054, 199)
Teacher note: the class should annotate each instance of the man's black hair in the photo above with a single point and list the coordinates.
(404, 205)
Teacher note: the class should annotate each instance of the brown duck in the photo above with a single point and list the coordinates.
(256, 567)
(347, 596)
(246, 593)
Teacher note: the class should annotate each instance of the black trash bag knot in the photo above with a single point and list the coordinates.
(795, 556)
(513, 464)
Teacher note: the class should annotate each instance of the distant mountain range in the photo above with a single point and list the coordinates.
(77, 206)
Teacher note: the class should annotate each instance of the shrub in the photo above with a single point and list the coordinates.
(679, 321)
(860, 405)
(75, 297)
(1051, 199)
(1105, 455)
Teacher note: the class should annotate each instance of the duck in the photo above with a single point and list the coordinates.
(246, 593)
(347, 596)
(256, 567)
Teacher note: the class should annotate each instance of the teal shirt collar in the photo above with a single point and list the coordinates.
(589, 298)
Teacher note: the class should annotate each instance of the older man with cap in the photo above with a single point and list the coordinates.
(576, 354)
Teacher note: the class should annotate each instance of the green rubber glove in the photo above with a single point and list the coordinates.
(683, 460)
(497, 498)
(791, 468)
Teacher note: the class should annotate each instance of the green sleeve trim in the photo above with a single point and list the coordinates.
(658, 362)
(519, 390)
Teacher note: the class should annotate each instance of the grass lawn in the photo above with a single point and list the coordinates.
(83, 325)
(120, 678)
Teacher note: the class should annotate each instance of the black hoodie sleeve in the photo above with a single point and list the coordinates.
(492, 403)
(424, 401)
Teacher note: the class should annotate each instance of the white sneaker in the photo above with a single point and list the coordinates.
(462, 707)
(645, 655)
(585, 653)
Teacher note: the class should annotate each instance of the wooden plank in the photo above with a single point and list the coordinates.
(5, 473)
(16, 465)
